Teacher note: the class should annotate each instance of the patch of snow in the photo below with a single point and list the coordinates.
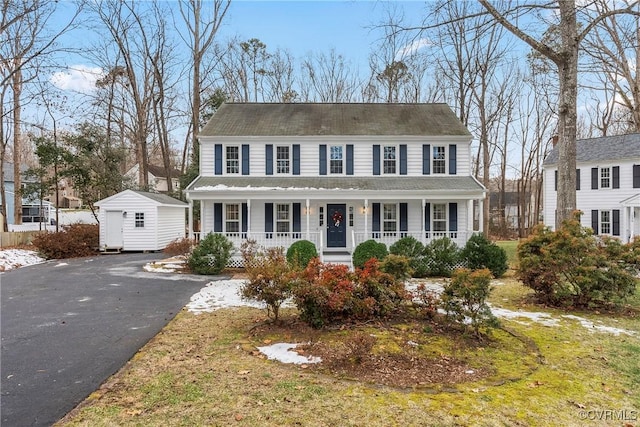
(61, 264)
(592, 327)
(15, 258)
(219, 187)
(535, 316)
(281, 352)
(220, 294)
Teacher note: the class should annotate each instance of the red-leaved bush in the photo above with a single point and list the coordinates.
(75, 240)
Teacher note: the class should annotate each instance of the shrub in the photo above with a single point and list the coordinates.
(211, 255)
(358, 345)
(367, 250)
(397, 266)
(301, 252)
(271, 279)
(480, 252)
(443, 255)
(413, 249)
(426, 301)
(75, 240)
(571, 267)
(464, 299)
(182, 246)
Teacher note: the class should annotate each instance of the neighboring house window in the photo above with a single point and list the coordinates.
(283, 218)
(233, 159)
(390, 219)
(605, 222)
(389, 160)
(336, 159)
(439, 160)
(605, 177)
(439, 217)
(232, 218)
(283, 160)
(139, 219)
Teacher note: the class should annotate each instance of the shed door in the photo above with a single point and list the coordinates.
(113, 239)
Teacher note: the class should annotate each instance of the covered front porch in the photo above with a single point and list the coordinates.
(631, 218)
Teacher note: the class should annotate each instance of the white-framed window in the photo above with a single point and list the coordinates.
(283, 218)
(139, 219)
(605, 177)
(283, 159)
(439, 160)
(389, 219)
(605, 222)
(232, 218)
(233, 159)
(336, 159)
(439, 214)
(389, 159)
(321, 216)
(350, 216)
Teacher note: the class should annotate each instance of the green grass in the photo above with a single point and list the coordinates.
(510, 247)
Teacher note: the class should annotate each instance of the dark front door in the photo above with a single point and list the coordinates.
(336, 226)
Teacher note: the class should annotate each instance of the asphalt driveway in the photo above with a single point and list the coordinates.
(66, 326)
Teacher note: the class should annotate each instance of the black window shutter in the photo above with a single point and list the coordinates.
(297, 208)
(577, 179)
(268, 219)
(453, 217)
(594, 178)
(453, 162)
(403, 160)
(404, 217)
(218, 159)
(615, 171)
(636, 176)
(245, 159)
(426, 159)
(376, 217)
(427, 217)
(296, 159)
(555, 180)
(268, 155)
(245, 219)
(323, 159)
(349, 159)
(376, 160)
(594, 221)
(217, 217)
(616, 222)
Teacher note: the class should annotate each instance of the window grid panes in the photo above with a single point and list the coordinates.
(605, 222)
(282, 160)
(232, 216)
(233, 159)
(139, 219)
(439, 217)
(605, 178)
(389, 219)
(335, 165)
(350, 216)
(439, 160)
(389, 160)
(283, 218)
(321, 216)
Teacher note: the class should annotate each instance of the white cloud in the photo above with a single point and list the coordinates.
(79, 78)
(412, 48)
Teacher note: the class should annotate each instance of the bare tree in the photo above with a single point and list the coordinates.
(328, 77)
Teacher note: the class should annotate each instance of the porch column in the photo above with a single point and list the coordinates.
(632, 222)
(248, 218)
(423, 233)
(307, 212)
(190, 220)
(366, 218)
(470, 215)
(481, 215)
(202, 219)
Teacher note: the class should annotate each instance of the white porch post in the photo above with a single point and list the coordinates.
(190, 220)
(366, 218)
(248, 218)
(307, 211)
(423, 235)
(202, 219)
(632, 221)
(470, 215)
(481, 215)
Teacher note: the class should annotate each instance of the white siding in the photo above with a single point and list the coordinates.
(171, 225)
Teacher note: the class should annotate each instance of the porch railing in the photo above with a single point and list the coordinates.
(425, 237)
(271, 239)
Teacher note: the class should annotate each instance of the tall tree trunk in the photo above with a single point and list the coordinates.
(17, 150)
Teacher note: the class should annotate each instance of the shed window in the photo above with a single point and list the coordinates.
(139, 218)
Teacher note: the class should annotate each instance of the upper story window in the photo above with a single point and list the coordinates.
(439, 160)
(336, 159)
(439, 217)
(233, 159)
(283, 160)
(232, 218)
(389, 160)
(605, 177)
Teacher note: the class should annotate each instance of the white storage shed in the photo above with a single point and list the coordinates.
(140, 221)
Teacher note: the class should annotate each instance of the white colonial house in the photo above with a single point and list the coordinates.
(335, 174)
(607, 187)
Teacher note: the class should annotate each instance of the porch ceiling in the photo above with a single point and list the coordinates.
(344, 187)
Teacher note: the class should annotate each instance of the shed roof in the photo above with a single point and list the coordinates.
(619, 147)
(317, 119)
(157, 198)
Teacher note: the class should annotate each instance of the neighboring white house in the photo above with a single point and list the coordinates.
(139, 221)
(157, 177)
(607, 187)
(335, 174)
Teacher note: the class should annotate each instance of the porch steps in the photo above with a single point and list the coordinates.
(337, 257)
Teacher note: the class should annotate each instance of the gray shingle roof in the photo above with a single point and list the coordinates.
(413, 183)
(309, 119)
(603, 148)
(161, 198)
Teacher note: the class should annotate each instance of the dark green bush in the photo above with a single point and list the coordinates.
(211, 255)
(397, 266)
(480, 252)
(443, 255)
(75, 240)
(413, 249)
(300, 253)
(367, 250)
